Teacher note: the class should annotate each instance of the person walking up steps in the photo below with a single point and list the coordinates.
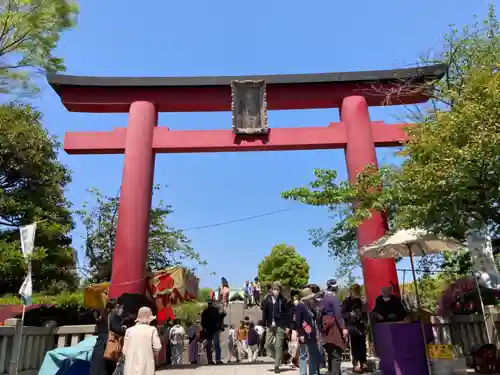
(253, 343)
(276, 315)
(246, 295)
(256, 292)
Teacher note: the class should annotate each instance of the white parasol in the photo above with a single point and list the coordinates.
(410, 243)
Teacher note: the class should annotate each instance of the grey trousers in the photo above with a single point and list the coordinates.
(334, 359)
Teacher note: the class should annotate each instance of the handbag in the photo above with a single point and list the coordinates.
(114, 345)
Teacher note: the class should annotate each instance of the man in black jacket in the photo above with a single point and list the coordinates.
(276, 315)
(212, 319)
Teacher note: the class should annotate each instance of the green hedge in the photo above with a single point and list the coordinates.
(187, 312)
(63, 300)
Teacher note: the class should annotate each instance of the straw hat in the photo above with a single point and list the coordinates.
(306, 293)
(145, 315)
(276, 285)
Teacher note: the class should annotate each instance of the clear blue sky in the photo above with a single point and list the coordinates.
(190, 38)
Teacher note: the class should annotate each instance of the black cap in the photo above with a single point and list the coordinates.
(332, 283)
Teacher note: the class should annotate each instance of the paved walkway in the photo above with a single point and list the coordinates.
(238, 369)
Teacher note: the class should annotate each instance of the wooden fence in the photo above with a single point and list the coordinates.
(466, 331)
(462, 331)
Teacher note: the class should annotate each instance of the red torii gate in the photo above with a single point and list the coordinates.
(143, 98)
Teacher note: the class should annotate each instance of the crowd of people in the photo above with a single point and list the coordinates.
(245, 342)
(315, 329)
(311, 330)
(251, 292)
(126, 344)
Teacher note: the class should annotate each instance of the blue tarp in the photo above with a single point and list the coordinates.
(73, 360)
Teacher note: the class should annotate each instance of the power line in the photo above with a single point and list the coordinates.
(229, 221)
(238, 220)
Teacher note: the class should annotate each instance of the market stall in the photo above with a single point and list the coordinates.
(164, 288)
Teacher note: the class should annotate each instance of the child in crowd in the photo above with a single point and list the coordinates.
(242, 336)
(253, 343)
(231, 344)
(177, 334)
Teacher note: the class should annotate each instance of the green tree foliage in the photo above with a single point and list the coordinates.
(189, 312)
(32, 184)
(167, 246)
(451, 168)
(204, 294)
(430, 290)
(29, 32)
(284, 264)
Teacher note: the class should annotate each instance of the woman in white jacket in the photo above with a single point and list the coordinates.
(142, 345)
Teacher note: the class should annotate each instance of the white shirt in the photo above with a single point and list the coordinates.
(260, 330)
(231, 335)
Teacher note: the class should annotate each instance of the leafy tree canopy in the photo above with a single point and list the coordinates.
(32, 184)
(32, 181)
(29, 31)
(284, 264)
(167, 246)
(451, 168)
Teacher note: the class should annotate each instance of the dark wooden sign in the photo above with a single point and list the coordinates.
(249, 107)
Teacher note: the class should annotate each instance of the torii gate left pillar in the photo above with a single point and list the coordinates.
(142, 139)
(132, 232)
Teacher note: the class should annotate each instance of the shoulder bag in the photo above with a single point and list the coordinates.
(114, 345)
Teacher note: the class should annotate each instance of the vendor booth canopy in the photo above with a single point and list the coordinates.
(164, 288)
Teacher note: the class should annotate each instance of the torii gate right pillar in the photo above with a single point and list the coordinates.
(360, 152)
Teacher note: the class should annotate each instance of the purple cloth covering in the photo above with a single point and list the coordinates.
(401, 348)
